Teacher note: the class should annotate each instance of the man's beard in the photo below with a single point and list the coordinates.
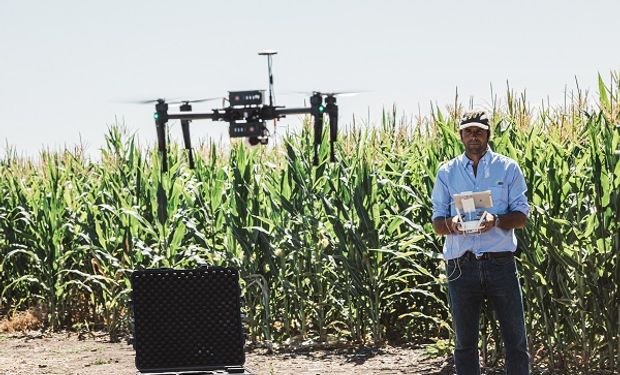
(476, 149)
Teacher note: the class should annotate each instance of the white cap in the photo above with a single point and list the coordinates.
(470, 124)
(478, 119)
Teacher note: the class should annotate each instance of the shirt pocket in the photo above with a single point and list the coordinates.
(500, 198)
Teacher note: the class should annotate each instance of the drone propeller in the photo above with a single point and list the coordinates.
(331, 93)
(339, 93)
(148, 101)
(195, 100)
(168, 101)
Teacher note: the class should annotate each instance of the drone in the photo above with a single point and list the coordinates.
(247, 114)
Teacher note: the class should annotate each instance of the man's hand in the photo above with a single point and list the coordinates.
(488, 222)
(453, 225)
(446, 225)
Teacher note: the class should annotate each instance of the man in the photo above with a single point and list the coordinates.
(482, 265)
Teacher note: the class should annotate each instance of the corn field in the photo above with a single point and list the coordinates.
(337, 253)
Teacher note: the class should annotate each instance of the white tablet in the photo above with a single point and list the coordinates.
(480, 199)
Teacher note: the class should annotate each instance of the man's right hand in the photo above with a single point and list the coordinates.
(453, 225)
(446, 225)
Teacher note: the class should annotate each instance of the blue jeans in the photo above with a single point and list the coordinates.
(495, 279)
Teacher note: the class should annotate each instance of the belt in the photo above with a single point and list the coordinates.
(484, 256)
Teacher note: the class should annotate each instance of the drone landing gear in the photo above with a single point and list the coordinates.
(332, 111)
(186, 107)
(331, 108)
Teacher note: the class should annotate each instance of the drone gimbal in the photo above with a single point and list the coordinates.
(246, 116)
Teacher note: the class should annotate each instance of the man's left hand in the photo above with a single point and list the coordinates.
(488, 222)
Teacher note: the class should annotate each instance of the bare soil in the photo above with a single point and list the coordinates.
(70, 353)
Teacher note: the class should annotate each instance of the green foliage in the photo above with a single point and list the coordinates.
(337, 252)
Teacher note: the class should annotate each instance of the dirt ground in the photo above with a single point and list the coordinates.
(72, 354)
(69, 353)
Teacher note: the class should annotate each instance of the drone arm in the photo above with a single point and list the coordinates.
(292, 111)
(316, 110)
(215, 116)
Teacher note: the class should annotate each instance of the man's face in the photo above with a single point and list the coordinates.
(475, 140)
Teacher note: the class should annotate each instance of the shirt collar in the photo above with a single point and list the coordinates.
(466, 162)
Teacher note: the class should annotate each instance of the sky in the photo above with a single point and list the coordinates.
(66, 66)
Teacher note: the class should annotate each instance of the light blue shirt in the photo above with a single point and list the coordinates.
(497, 173)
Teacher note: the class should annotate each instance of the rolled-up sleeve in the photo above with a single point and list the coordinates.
(440, 197)
(517, 200)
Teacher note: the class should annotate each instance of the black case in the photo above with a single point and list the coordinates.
(187, 321)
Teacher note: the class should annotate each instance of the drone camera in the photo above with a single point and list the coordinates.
(256, 140)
